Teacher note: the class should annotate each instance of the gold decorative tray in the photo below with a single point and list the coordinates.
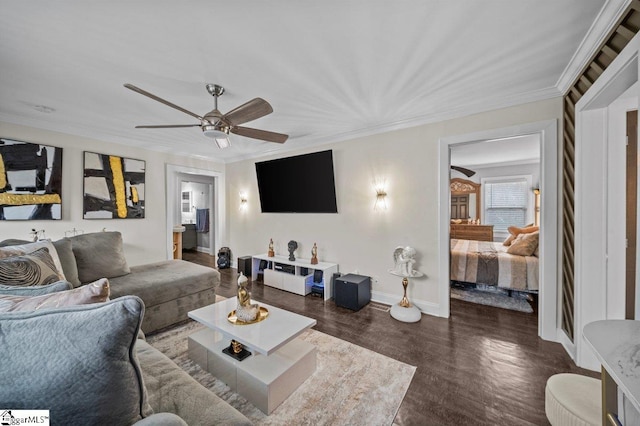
(233, 319)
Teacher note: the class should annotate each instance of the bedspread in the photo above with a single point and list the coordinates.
(485, 262)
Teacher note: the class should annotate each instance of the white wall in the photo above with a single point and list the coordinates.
(357, 238)
(144, 239)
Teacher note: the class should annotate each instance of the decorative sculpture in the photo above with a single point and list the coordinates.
(245, 312)
(314, 254)
(404, 258)
(271, 253)
(293, 246)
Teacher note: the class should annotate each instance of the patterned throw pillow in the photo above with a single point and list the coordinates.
(22, 249)
(95, 292)
(524, 244)
(35, 268)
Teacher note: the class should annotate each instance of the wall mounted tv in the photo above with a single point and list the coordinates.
(299, 184)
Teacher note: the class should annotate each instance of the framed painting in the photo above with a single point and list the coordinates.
(30, 181)
(113, 187)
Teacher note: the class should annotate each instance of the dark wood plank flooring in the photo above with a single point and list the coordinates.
(481, 366)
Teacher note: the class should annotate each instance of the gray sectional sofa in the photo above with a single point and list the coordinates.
(169, 289)
(90, 364)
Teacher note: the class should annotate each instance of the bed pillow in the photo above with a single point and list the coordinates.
(79, 362)
(95, 292)
(514, 231)
(36, 290)
(22, 249)
(98, 255)
(524, 244)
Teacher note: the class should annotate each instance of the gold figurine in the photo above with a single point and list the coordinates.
(271, 253)
(314, 254)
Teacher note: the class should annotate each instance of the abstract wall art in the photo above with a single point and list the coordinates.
(30, 181)
(113, 187)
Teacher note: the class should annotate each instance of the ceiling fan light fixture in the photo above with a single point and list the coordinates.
(221, 136)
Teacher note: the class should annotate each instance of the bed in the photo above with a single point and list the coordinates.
(487, 262)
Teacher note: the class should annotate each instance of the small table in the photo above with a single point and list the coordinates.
(617, 345)
(279, 364)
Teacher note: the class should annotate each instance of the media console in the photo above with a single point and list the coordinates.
(294, 276)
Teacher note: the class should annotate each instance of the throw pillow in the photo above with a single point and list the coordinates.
(35, 268)
(524, 244)
(68, 260)
(79, 362)
(91, 293)
(98, 255)
(36, 290)
(19, 249)
(514, 231)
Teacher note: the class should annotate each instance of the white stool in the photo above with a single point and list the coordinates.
(573, 400)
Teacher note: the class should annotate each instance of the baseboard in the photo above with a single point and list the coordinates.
(425, 307)
(568, 345)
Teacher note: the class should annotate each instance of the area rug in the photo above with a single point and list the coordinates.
(351, 385)
(492, 296)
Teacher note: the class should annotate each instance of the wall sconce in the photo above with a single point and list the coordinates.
(381, 197)
(243, 202)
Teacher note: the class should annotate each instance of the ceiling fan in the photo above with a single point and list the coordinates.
(464, 171)
(216, 125)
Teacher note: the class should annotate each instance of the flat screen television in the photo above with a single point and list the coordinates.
(299, 184)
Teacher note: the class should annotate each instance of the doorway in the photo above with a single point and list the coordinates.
(217, 204)
(503, 176)
(547, 130)
(197, 201)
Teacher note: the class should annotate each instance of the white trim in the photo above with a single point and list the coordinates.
(548, 300)
(603, 24)
(568, 345)
(594, 231)
(218, 216)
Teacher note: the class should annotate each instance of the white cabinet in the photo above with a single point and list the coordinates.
(293, 276)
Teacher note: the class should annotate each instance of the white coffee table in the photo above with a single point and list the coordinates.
(279, 364)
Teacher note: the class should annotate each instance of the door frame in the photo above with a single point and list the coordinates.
(599, 175)
(548, 307)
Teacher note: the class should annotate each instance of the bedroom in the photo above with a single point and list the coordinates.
(494, 190)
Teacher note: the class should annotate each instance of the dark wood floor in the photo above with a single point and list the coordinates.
(481, 366)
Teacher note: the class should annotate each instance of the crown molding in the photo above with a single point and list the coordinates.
(600, 28)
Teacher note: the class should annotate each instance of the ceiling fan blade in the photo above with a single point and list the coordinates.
(260, 134)
(249, 111)
(167, 126)
(155, 98)
(464, 171)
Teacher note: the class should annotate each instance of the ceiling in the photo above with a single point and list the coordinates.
(332, 70)
(512, 151)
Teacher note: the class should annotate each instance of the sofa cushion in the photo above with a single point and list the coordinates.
(67, 260)
(22, 249)
(99, 255)
(12, 290)
(79, 362)
(171, 389)
(160, 282)
(95, 292)
(29, 269)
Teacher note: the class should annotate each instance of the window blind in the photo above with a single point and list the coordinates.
(506, 203)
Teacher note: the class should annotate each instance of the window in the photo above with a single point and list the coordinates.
(186, 201)
(506, 201)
